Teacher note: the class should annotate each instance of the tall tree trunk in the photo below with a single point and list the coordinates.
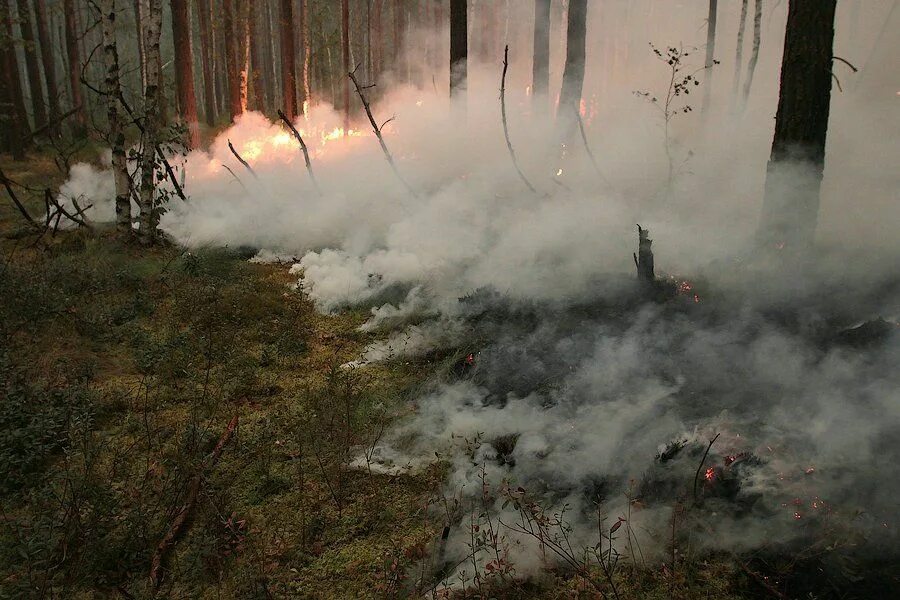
(377, 40)
(149, 218)
(710, 51)
(257, 79)
(43, 30)
(140, 8)
(345, 61)
(13, 99)
(739, 53)
(244, 53)
(540, 66)
(459, 46)
(273, 64)
(399, 62)
(754, 54)
(31, 63)
(206, 58)
(230, 33)
(573, 73)
(305, 57)
(74, 56)
(184, 69)
(288, 68)
(795, 169)
(220, 63)
(114, 117)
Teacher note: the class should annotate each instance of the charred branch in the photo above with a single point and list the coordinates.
(509, 146)
(242, 161)
(303, 148)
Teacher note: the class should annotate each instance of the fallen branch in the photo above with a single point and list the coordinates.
(7, 183)
(48, 198)
(305, 150)
(702, 462)
(384, 148)
(512, 152)
(242, 161)
(179, 524)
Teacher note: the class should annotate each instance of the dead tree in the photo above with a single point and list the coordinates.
(377, 130)
(754, 54)
(113, 92)
(206, 61)
(184, 70)
(288, 68)
(710, 51)
(796, 165)
(540, 66)
(149, 216)
(459, 46)
(39, 109)
(643, 260)
(509, 146)
(74, 56)
(43, 30)
(739, 53)
(345, 60)
(573, 73)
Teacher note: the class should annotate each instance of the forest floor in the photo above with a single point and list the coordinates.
(120, 370)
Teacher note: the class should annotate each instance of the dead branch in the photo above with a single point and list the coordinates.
(236, 178)
(180, 523)
(242, 161)
(384, 148)
(846, 62)
(587, 146)
(512, 152)
(7, 183)
(48, 198)
(702, 462)
(303, 147)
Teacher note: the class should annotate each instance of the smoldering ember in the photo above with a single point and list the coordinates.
(450, 299)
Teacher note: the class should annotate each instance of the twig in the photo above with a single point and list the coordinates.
(236, 178)
(512, 152)
(242, 161)
(181, 519)
(702, 461)
(846, 62)
(303, 147)
(384, 148)
(48, 197)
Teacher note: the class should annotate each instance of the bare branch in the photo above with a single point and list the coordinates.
(303, 147)
(512, 152)
(242, 161)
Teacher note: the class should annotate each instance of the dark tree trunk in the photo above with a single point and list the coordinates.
(795, 168)
(303, 34)
(230, 33)
(399, 60)
(573, 74)
(74, 56)
(258, 99)
(288, 70)
(14, 115)
(43, 29)
(184, 70)
(710, 51)
(459, 46)
(754, 55)
(206, 58)
(739, 53)
(31, 63)
(540, 67)
(377, 40)
(345, 61)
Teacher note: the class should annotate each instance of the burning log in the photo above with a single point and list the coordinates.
(180, 523)
(643, 260)
(512, 152)
(305, 150)
(242, 161)
(377, 129)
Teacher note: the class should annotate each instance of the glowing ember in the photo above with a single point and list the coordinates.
(798, 515)
(810, 470)
(710, 474)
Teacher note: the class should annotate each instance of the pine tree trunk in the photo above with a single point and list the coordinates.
(399, 62)
(754, 54)
(244, 53)
(573, 73)
(206, 58)
(288, 68)
(377, 40)
(459, 46)
(795, 169)
(739, 53)
(114, 117)
(39, 109)
(149, 217)
(345, 61)
(74, 56)
(710, 52)
(540, 67)
(306, 56)
(14, 114)
(257, 76)
(230, 34)
(43, 30)
(184, 70)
